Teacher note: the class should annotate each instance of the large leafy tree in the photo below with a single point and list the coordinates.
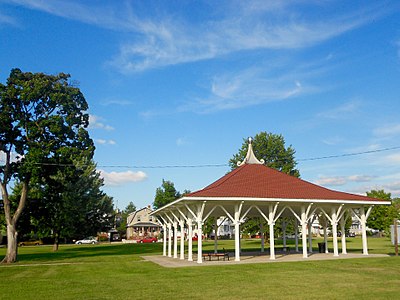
(66, 205)
(382, 216)
(271, 148)
(72, 204)
(165, 194)
(41, 117)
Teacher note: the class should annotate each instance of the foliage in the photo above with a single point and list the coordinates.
(42, 118)
(382, 216)
(252, 226)
(123, 217)
(271, 148)
(208, 226)
(67, 205)
(130, 208)
(165, 194)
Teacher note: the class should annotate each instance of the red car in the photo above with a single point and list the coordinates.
(196, 238)
(148, 240)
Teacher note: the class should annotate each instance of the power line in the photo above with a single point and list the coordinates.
(219, 165)
(166, 167)
(349, 154)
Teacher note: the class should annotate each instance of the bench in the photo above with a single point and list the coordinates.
(210, 255)
(284, 249)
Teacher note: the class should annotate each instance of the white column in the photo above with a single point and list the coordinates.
(237, 233)
(182, 252)
(164, 239)
(199, 241)
(262, 235)
(190, 241)
(310, 236)
(169, 239)
(271, 233)
(343, 229)
(326, 235)
(271, 241)
(296, 234)
(284, 225)
(215, 236)
(304, 231)
(334, 232)
(363, 219)
(175, 239)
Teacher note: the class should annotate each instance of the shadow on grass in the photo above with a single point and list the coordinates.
(76, 252)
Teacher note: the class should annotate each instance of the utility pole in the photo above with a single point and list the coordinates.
(396, 244)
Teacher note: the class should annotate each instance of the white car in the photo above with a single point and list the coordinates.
(88, 240)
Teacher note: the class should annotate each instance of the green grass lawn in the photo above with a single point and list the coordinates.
(117, 271)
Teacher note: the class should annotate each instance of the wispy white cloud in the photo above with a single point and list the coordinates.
(95, 122)
(342, 180)
(392, 187)
(330, 181)
(246, 88)
(345, 110)
(120, 178)
(387, 131)
(363, 148)
(161, 40)
(177, 42)
(332, 140)
(116, 102)
(101, 14)
(392, 159)
(181, 141)
(105, 142)
(8, 20)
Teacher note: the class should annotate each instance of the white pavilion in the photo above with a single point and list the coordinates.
(255, 190)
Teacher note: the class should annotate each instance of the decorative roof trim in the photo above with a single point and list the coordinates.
(338, 201)
(250, 157)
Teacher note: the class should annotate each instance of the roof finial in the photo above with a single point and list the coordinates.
(250, 157)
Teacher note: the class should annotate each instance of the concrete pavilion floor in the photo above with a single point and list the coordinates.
(251, 258)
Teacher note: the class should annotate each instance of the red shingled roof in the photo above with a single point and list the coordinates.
(260, 181)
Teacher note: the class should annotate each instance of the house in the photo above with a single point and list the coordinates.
(141, 224)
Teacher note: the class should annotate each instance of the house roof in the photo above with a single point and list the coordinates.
(132, 215)
(254, 180)
(145, 224)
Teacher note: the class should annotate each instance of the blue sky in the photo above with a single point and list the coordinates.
(183, 82)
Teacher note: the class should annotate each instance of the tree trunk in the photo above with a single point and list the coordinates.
(11, 221)
(12, 246)
(56, 242)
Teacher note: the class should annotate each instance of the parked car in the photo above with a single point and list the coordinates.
(196, 238)
(148, 240)
(350, 234)
(30, 243)
(88, 240)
